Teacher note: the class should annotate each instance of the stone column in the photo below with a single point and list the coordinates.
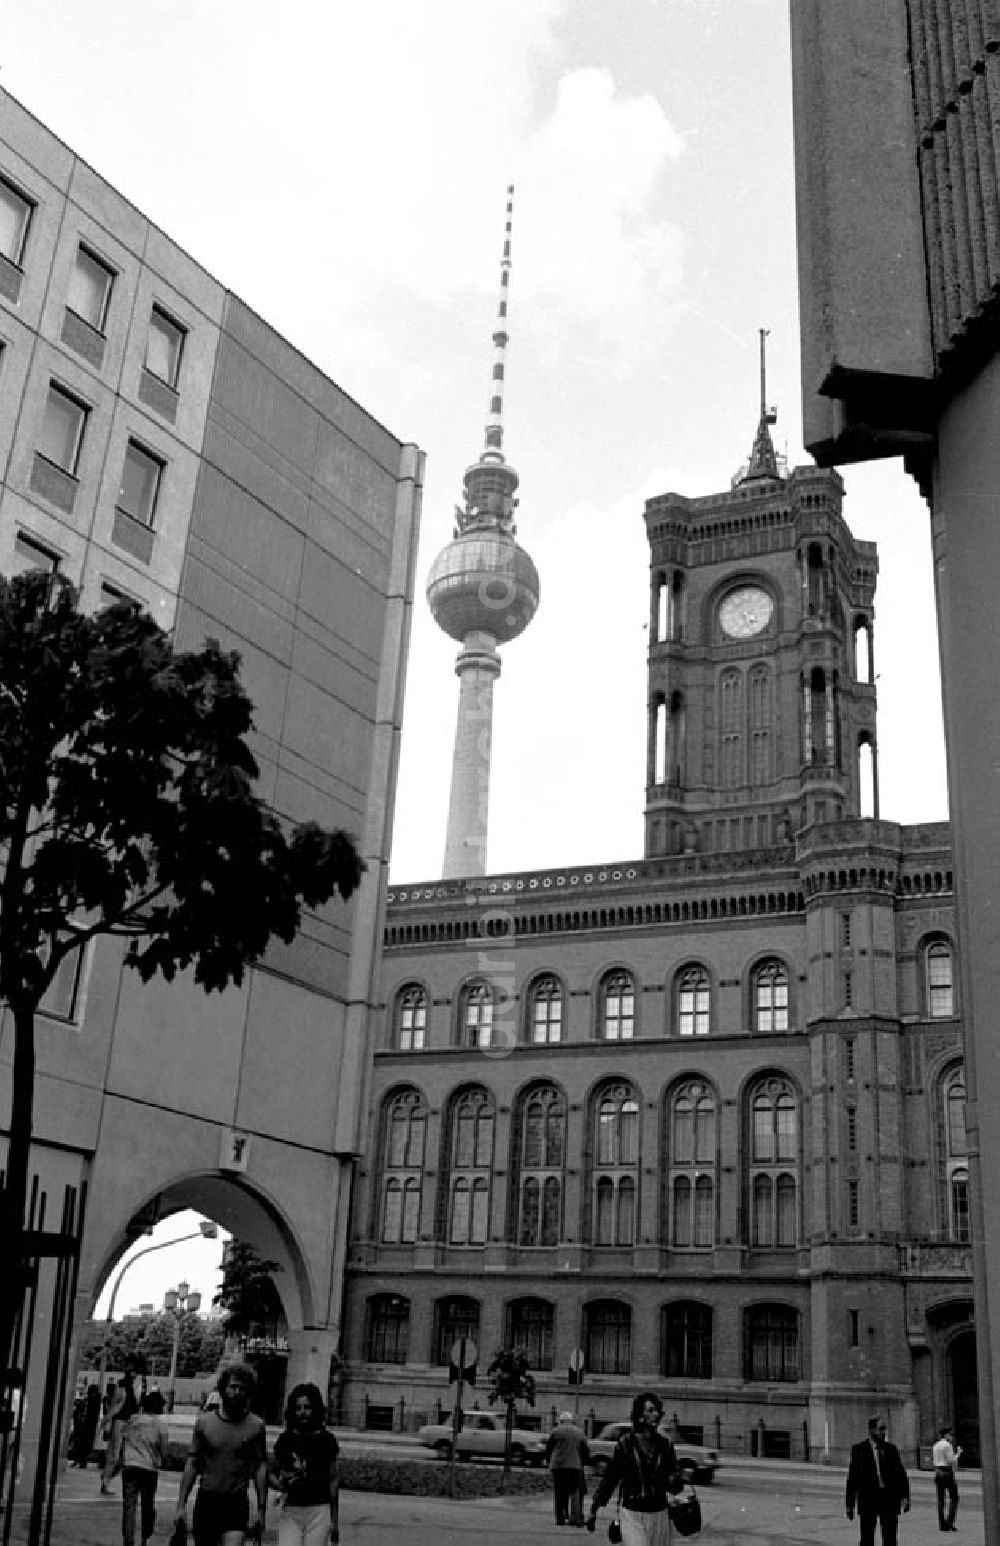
(309, 1354)
(966, 538)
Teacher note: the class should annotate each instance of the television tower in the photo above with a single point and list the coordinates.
(483, 591)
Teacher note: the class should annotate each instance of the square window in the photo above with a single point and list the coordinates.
(15, 219)
(111, 596)
(140, 483)
(90, 289)
(164, 346)
(63, 426)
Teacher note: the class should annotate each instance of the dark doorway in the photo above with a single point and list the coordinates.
(965, 1395)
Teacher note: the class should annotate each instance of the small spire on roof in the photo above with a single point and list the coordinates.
(763, 458)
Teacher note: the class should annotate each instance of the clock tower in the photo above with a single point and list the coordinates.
(761, 674)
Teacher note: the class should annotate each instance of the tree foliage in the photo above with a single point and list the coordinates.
(247, 1297)
(128, 808)
(510, 1382)
(144, 1343)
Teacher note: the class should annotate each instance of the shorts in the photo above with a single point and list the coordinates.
(217, 1512)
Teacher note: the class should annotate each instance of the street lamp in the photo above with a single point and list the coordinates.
(207, 1230)
(178, 1302)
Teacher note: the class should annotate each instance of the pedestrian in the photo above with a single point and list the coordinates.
(119, 1406)
(877, 1485)
(228, 1452)
(643, 1466)
(305, 1472)
(145, 1451)
(85, 1424)
(566, 1454)
(945, 1458)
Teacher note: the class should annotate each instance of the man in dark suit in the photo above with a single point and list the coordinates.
(877, 1485)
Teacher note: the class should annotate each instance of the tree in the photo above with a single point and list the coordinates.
(247, 1297)
(127, 807)
(510, 1383)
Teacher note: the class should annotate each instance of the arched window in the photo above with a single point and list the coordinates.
(686, 1341)
(530, 1326)
(388, 1330)
(545, 1011)
(471, 1151)
(731, 729)
(770, 998)
(617, 1007)
(760, 725)
(939, 980)
(477, 1015)
(608, 1337)
(402, 1168)
(616, 1166)
(956, 1156)
(691, 1169)
(693, 1002)
(771, 1343)
(454, 1317)
(411, 1018)
(774, 1164)
(541, 1164)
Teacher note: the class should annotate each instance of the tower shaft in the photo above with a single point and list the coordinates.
(477, 668)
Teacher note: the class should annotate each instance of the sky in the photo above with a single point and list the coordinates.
(343, 168)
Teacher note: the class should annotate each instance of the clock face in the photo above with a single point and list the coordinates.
(745, 612)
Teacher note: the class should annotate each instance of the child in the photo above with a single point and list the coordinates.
(305, 1471)
(144, 1450)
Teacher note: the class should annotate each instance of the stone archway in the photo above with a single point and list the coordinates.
(244, 1212)
(964, 1391)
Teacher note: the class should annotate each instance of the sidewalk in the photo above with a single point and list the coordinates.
(807, 1510)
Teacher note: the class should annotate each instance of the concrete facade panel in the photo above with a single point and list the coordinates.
(197, 365)
(321, 962)
(230, 448)
(328, 399)
(332, 594)
(177, 269)
(54, 365)
(327, 734)
(349, 540)
(97, 201)
(269, 408)
(289, 1029)
(227, 518)
(340, 678)
(180, 1041)
(347, 471)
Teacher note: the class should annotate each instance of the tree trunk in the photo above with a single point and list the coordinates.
(15, 1192)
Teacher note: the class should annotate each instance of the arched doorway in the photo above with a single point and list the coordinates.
(964, 1389)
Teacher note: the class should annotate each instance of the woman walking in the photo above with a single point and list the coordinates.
(145, 1450)
(305, 1472)
(643, 1466)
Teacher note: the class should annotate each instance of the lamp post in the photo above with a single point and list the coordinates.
(178, 1302)
(207, 1230)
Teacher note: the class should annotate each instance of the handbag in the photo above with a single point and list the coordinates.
(685, 1512)
(615, 1526)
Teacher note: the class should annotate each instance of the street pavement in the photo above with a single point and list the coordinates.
(753, 1503)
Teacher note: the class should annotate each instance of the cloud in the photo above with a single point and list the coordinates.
(593, 251)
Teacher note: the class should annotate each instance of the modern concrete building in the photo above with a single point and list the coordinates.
(699, 1114)
(160, 441)
(897, 152)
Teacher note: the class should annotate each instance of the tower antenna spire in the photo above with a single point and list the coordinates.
(763, 461)
(483, 591)
(493, 451)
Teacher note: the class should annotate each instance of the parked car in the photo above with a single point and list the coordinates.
(482, 1436)
(694, 1461)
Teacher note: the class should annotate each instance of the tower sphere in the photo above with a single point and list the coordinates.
(483, 582)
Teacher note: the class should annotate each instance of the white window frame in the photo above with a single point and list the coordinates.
(161, 318)
(136, 448)
(12, 196)
(83, 410)
(103, 269)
